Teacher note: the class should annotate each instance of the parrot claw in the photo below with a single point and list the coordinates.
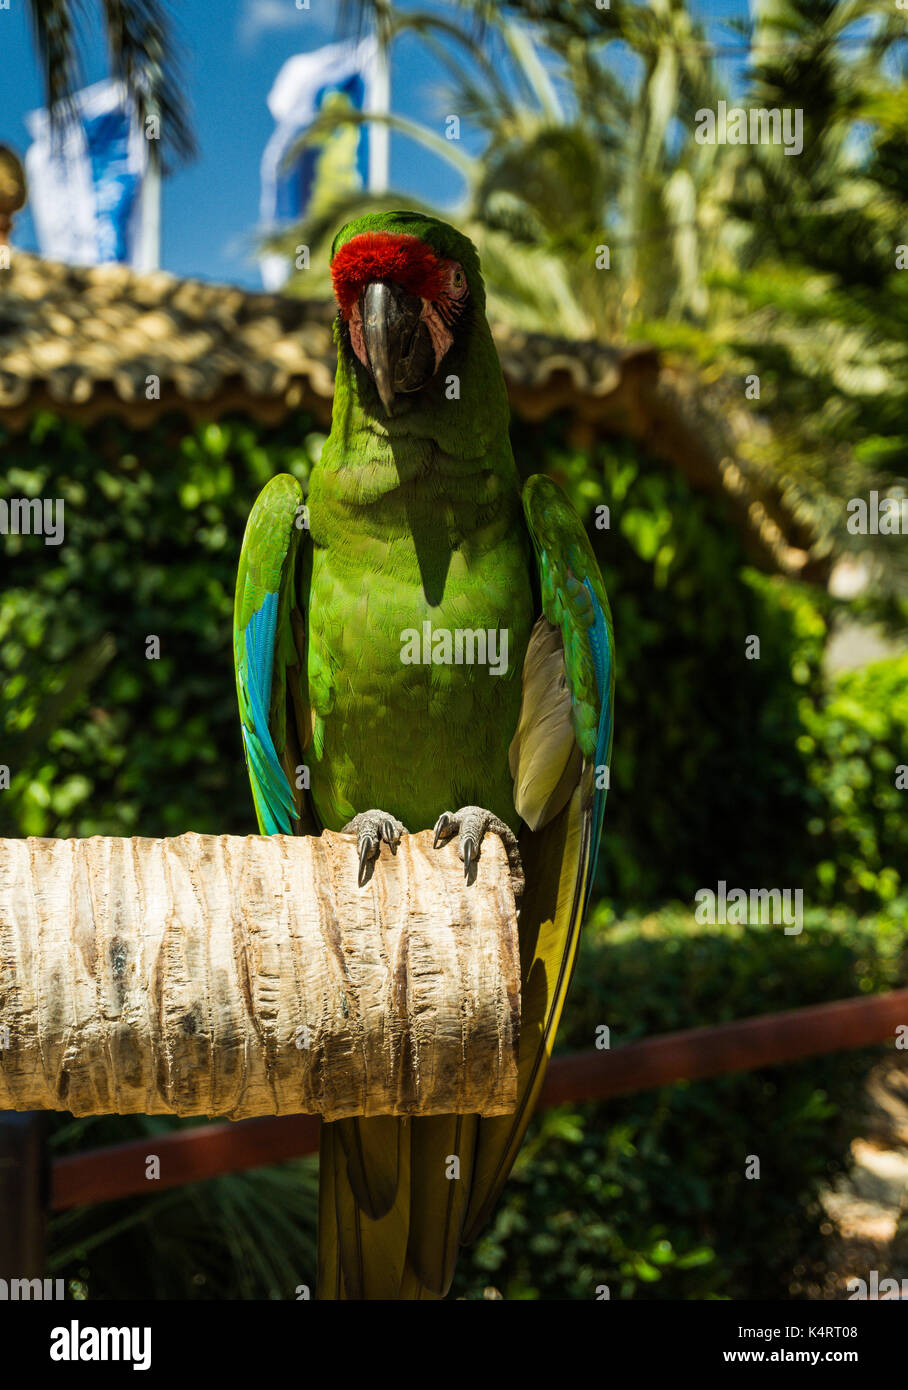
(472, 823)
(444, 829)
(371, 828)
(366, 855)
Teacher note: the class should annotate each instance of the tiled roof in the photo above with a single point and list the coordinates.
(89, 342)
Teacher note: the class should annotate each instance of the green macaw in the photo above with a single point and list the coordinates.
(415, 515)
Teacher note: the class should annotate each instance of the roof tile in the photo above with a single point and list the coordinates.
(83, 336)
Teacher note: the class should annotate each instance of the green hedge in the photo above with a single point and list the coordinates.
(857, 743)
(100, 740)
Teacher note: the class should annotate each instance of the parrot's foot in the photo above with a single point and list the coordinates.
(472, 823)
(370, 828)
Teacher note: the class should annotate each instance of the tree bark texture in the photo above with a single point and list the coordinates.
(227, 976)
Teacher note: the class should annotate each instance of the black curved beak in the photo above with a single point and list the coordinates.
(398, 343)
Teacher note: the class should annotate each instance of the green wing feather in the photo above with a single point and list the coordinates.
(559, 857)
(390, 1214)
(438, 1201)
(364, 1207)
(269, 657)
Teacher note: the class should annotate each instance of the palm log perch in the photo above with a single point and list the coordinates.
(220, 975)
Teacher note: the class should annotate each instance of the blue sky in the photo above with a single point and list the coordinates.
(233, 50)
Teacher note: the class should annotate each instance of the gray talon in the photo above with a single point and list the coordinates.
(472, 823)
(366, 855)
(444, 829)
(370, 829)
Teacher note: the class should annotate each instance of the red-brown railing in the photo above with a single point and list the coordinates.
(100, 1175)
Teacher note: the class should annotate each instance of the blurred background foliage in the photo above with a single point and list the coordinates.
(777, 771)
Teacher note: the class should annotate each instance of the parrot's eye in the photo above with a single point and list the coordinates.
(458, 281)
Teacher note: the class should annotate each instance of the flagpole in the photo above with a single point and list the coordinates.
(150, 230)
(151, 219)
(379, 133)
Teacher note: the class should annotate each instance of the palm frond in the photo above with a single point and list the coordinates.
(57, 47)
(144, 55)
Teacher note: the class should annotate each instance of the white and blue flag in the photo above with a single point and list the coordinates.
(351, 72)
(88, 184)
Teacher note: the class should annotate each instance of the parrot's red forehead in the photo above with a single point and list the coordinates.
(394, 256)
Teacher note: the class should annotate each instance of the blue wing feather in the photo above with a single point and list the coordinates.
(274, 795)
(264, 650)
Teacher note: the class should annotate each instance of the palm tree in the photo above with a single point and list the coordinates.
(143, 56)
(736, 258)
(577, 156)
(816, 305)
